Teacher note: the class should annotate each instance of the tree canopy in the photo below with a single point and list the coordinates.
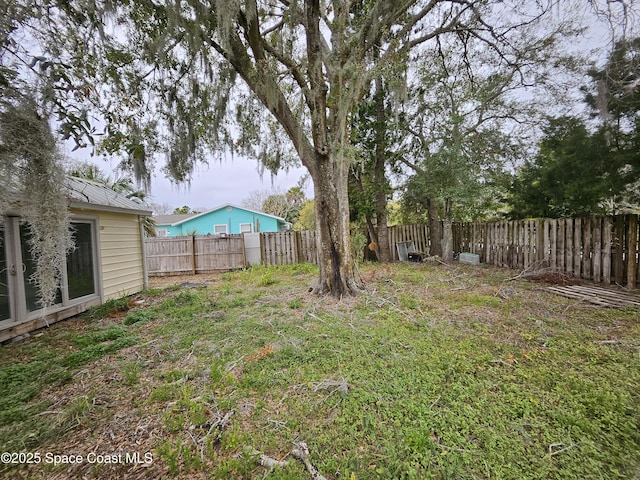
(275, 81)
(585, 167)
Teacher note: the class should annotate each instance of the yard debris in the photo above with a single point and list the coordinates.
(265, 460)
(539, 271)
(502, 362)
(506, 292)
(556, 448)
(269, 462)
(435, 259)
(604, 297)
(220, 424)
(301, 452)
(337, 385)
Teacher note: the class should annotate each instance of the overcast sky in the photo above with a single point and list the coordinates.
(215, 184)
(233, 180)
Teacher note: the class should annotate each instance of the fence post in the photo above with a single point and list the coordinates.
(618, 259)
(193, 254)
(587, 230)
(606, 249)
(298, 243)
(632, 241)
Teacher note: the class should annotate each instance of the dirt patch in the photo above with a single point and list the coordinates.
(174, 280)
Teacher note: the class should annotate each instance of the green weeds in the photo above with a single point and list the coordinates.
(426, 375)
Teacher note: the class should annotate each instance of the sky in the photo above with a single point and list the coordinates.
(229, 181)
(233, 180)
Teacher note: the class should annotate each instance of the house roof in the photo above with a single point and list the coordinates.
(82, 192)
(172, 219)
(175, 220)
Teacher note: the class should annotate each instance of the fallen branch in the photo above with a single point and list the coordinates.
(337, 385)
(502, 362)
(528, 270)
(553, 452)
(267, 461)
(301, 452)
(220, 424)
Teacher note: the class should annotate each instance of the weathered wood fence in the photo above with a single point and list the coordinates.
(418, 234)
(290, 247)
(602, 249)
(193, 254)
(204, 254)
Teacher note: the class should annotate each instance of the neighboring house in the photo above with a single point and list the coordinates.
(107, 262)
(223, 220)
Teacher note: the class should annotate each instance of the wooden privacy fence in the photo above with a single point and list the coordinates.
(280, 248)
(418, 234)
(203, 254)
(602, 249)
(193, 254)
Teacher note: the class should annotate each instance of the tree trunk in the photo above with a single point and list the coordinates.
(435, 228)
(384, 251)
(447, 234)
(337, 275)
(379, 178)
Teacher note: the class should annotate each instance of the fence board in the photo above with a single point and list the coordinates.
(607, 245)
(553, 244)
(577, 243)
(597, 249)
(632, 250)
(618, 250)
(586, 249)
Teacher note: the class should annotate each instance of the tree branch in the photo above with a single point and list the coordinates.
(318, 86)
(264, 86)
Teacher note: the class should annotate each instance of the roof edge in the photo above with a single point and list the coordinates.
(224, 205)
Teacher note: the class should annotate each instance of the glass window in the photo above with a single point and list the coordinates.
(219, 229)
(80, 271)
(246, 228)
(5, 309)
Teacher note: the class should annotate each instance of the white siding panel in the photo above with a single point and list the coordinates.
(121, 254)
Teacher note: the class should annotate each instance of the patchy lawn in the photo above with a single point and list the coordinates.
(433, 372)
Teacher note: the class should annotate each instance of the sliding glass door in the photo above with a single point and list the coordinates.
(18, 290)
(5, 299)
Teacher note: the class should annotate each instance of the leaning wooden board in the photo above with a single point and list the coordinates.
(598, 296)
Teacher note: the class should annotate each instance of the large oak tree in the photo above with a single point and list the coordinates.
(271, 80)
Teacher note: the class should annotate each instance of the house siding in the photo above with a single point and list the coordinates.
(232, 218)
(121, 255)
(120, 270)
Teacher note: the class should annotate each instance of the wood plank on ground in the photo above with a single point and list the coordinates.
(598, 296)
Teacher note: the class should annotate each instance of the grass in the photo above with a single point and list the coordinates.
(427, 374)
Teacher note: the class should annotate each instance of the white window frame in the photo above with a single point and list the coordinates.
(224, 225)
(162, 232)
(18, 302)
(245, 224)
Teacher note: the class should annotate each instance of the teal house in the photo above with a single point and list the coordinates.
(226, 219)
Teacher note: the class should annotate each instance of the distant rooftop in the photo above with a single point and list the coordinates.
(170, 219)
